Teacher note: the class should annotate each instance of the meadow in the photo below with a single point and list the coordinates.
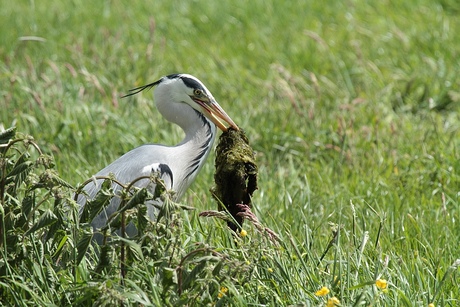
(351, 106)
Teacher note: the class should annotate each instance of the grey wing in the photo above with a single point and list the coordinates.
(125, 175)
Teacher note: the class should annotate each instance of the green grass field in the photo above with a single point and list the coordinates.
(352, 108)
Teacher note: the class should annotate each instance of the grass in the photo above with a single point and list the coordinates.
(352, 107)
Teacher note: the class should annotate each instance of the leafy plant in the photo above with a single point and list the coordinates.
(48, 253)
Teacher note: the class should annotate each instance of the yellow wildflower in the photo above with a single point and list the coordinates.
(222, 292)
(270, 270)
(430, 305)
(381, 283)
(332, 302)
(243, 233)
(322, 292)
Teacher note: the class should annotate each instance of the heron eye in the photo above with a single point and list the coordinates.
(198, 92)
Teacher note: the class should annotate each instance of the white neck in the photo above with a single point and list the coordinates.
(195, 147)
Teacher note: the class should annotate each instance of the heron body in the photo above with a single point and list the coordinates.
(181, 99)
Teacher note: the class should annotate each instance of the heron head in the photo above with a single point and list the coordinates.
(184, 88)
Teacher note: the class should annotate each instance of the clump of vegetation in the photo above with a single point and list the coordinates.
(48, 256)
(236, 174)
(35, 232)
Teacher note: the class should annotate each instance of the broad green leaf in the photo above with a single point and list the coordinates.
(20, 168)
(138, 198)
(60, 246)
(27, 204)
(95, 206)
(82, 246)
(104, 258)
(7, 135)
(47, 218)
(193, 275)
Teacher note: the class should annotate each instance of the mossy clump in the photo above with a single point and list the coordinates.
(236, 174)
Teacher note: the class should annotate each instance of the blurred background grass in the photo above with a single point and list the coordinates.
(345, 102)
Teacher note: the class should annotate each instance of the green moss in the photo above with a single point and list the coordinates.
(236, 173)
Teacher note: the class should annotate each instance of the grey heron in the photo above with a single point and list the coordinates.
(181, 99)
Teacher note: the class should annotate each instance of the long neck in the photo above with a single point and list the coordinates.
(198, 141)
(194, 148)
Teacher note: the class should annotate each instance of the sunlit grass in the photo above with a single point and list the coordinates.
(352, 107)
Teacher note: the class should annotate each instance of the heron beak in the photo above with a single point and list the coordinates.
(216, 114)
